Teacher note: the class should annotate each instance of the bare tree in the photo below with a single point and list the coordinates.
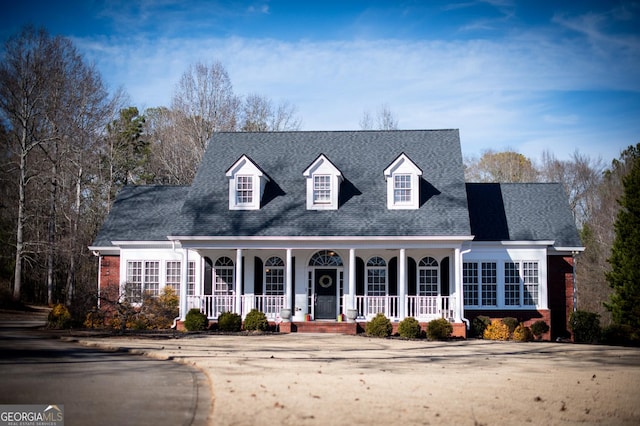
(384, 119)
(205, 103)
(507, 166)
(260, 115)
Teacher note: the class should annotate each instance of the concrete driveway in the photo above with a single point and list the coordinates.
(98, 387)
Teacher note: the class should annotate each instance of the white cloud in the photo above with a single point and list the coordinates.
(494, 91)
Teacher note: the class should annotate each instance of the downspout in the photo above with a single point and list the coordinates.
(174, 326)
(464, 320)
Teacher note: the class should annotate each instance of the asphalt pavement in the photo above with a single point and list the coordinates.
(98, 387)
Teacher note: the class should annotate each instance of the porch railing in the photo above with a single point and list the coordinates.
(425, 308)
(213, 305)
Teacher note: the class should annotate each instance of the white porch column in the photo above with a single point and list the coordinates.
(402, 284)
(184, 283)
(352, 279)
(238, 307)
(289, 281)
(457, 277)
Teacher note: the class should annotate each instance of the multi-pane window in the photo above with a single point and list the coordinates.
(376, 277)
(470, 283)
(401, 189)
(191, 279)
(321, 189)
(244, 190)
(152, 278)
(512, 283)
(134, 281)
(530, 282)
(489, 284)
(428, 277)
(224, 273)
(274, 276)
(173, 276)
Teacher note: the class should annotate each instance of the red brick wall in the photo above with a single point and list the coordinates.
(109, 271)
(560, 290)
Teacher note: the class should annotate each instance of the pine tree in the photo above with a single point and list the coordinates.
(624, 277)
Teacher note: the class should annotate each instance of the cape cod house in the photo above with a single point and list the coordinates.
(348, 222)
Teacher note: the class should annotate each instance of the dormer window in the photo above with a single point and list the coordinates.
(323, 184)
(403, 184)
(246, 184)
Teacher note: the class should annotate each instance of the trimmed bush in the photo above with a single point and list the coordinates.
(522, 333)
(479, 325)
(511, 322)
(439, 329)
(256, 320)
(409, 328)
(497, 330)
(379, 326)
(196, 320)
(538, 328)
(229, 321)
(59, 317)
(621, 335)
(585, 326)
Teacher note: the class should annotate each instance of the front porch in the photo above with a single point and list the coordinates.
(422, 308)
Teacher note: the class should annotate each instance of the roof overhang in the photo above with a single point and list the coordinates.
(315, 242)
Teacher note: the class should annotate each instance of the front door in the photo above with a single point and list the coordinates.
(325, 288)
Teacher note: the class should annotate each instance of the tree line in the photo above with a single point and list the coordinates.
(68, 146)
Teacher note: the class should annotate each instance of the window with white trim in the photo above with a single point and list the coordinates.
(530, 283)
(244, 190)
(402, 189)
(489, 284)
(321, 189)
(142, 277)
(191, 279)
(470, 285)
(274, 276)
(512, 283)
(174, 273)
(428, 277)
(224, 273)
(376, 277)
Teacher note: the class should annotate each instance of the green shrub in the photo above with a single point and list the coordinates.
(621, 335)
(522, 333)
(538, 328)
(409, 328)
(497, 330)
(379, 326)
(479, 325)
(585, 326)
(256, 320)
(196, 320)
(511, 322)
(59, 317)
(229, 321)
(439, 329)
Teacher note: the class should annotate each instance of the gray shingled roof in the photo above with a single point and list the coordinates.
(361, 156)
(142, 213)
(521, 212)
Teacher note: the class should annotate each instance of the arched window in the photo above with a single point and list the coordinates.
(274, 276)
(326, 258)
(224, 273)
(376, 277)
(428, 277)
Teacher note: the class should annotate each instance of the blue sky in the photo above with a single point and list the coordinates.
(523, 75)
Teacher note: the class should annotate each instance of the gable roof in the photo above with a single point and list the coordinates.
(361, 156)
(521, 212)
(142, 213)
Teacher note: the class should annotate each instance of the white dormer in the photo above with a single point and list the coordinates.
(403, 184)
(323, 184)
(246, 184)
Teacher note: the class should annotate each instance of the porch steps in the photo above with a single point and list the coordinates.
(350, 328)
